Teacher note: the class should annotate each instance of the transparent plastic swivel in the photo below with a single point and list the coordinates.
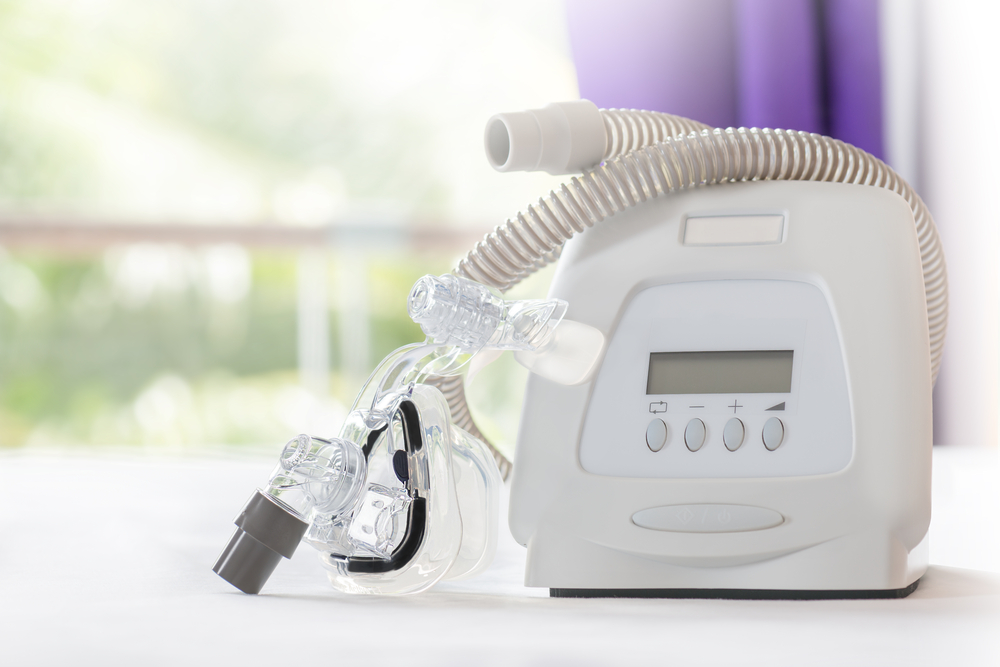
(402, 497)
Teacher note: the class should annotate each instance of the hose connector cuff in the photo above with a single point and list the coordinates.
(562, 138)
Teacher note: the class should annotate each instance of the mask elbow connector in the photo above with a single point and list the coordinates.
(312, 474)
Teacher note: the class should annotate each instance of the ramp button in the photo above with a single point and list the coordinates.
(774, 433)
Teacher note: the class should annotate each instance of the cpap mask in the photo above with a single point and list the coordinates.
(403, 497)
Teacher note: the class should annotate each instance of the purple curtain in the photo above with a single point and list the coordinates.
(854, 74)
(644, 54)
(779, 60)
(809, 65)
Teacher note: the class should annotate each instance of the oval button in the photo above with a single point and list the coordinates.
(773, 434)
(694, 434)
(732, 434)
(707, 518)
(656, 435)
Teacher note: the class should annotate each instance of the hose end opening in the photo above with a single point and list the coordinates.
(497, 144)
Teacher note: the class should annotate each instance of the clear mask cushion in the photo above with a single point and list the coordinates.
(402, 497)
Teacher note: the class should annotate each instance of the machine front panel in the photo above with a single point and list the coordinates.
(721, 379)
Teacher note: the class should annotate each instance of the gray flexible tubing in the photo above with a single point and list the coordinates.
(651, 154)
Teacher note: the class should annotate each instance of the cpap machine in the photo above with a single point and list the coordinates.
(730, 389)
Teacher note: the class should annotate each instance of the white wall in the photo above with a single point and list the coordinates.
(958, 160)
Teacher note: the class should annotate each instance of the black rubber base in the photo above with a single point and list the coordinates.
(730, 593)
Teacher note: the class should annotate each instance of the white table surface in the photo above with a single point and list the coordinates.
(105, 559)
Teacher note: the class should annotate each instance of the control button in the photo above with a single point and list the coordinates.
(732, 434)
(656, 434)
(694, 434)
(657, 407)
(774, 433)
(707, 518)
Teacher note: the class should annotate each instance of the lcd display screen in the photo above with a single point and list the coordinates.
(729, 372)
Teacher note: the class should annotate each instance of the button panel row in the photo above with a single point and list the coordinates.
(733, 434)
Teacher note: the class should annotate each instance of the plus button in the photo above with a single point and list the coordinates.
(735, 406)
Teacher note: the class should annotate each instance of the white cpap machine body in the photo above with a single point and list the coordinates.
(633, 484)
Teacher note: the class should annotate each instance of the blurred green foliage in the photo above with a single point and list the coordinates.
(77, 354)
